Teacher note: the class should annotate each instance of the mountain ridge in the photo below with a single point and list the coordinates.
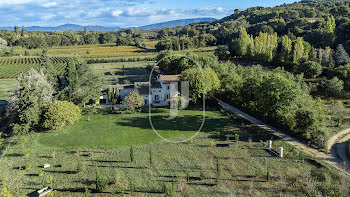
(75, 27)
(174, 23)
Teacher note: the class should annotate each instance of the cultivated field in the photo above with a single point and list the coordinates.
(13, 66)
(74, 154)
(99, 51)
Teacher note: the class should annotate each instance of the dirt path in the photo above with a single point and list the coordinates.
(336, 137)
(339, 150)
(328, 158)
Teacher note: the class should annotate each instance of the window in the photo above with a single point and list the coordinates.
(156, 97)
(167, 97)
(168, 87)
(146, 102)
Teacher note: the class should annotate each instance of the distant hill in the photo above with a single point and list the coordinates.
(181, 22)
(73, 27)
(67, 27)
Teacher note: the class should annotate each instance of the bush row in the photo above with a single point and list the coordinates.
(130, 59)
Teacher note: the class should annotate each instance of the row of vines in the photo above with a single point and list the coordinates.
(11, 67)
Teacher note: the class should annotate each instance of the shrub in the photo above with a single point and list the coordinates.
(237, 137)
(268, 176)
(212, 144)
(334, 86)
(27, 167)
(133, 101)
(202, 176)
(5, 193)
(61, 114)
(101, 182)
(310, 69)
(80, 167)
(25, 152)
(41, 173)
(87, 192)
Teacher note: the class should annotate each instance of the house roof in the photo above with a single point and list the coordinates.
(125, 86)
(169, 78)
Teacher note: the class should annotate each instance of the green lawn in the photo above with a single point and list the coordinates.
(120, 71)
(6, 86)
(114, 130)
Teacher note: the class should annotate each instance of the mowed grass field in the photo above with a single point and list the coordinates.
(243, 168)
(111, 130)
(99, 51)
(119, 72)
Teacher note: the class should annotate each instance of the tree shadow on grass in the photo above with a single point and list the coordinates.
(14, 155)
(124, 167)
(31, 175)
(181, 123)
(104, 161)
(61, 172)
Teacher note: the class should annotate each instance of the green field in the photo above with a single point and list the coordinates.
(118, 72)
(111, 130)
(6, 86)
(74, 156)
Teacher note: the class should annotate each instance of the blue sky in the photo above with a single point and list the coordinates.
(124, 13)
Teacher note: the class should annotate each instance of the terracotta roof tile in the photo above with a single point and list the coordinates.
(169, 78)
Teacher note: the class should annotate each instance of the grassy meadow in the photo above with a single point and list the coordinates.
(122, 72)
(74, 158)
(6, 86)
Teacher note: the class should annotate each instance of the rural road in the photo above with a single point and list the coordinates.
(328, 158)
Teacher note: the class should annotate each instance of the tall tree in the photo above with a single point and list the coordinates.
(286, 48)
(341, 57)
(298, 50)
(330, 24)
(23, 31)
(49, 69)
(16, 30)
(244, 42)
(199, 85)
(83, 84)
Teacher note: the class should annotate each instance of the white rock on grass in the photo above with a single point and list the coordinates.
(46, 165)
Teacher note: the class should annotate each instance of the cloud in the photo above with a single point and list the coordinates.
(47, 17)
(15, 2)
(161, 12)
(117, 13)
(49, 4)
(95, 12)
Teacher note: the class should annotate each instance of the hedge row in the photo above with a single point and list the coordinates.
(130, 59)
